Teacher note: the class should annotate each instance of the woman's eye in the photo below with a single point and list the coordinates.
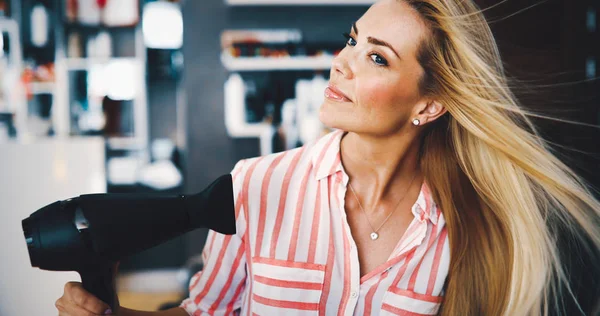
(379, 60)
(349, 39)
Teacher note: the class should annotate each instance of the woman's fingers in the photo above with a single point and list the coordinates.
(72, 310)
(81, 302)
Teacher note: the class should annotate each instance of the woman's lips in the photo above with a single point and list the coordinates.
(335, 94)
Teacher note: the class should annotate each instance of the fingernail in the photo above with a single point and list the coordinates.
(108, 312)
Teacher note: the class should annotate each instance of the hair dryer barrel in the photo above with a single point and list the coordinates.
(124, 224)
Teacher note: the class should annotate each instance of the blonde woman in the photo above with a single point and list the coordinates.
(434, 196)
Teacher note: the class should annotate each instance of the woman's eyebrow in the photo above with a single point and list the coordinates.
(379, 42)
(376, 41)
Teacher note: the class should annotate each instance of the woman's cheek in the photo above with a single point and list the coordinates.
(376, 94)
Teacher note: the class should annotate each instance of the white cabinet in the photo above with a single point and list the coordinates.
(32, 176)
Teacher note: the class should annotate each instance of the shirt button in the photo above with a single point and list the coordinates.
(354, 294)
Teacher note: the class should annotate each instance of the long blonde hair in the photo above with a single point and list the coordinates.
(504, 195)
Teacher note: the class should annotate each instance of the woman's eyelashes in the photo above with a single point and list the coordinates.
(349, 39)
(376, 58)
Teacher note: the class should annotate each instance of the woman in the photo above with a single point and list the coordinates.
(435, 196)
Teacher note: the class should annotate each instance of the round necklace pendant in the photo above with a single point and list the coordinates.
(374, 235)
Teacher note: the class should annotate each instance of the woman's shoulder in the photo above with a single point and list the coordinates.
(272, 163)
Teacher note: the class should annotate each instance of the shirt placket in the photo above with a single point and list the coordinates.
(341, 181)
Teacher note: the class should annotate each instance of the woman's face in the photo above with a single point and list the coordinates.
(377, 71)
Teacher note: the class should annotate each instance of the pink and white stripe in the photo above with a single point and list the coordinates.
(293, 252)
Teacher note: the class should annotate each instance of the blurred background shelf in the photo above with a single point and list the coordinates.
(42, 87)
(86, 63)
(298, 2)
(276, 63)
(125, 143)
(96, 27)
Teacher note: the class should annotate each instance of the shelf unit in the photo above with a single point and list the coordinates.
(14, 98)
(64, 65)
(276, 63)
(298, 2)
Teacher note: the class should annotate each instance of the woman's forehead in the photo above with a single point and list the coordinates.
(394, 22)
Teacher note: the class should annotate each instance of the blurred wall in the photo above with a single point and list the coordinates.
(552, 50)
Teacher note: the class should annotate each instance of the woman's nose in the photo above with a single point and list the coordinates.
(341, 66)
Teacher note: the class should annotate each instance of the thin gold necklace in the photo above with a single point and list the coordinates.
(375, 234)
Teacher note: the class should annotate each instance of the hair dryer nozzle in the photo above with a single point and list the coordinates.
(213, 207)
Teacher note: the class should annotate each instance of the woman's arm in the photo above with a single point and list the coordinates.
(218, 287)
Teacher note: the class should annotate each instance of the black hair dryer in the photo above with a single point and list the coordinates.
(91, 233)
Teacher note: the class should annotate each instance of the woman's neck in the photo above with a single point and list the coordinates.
(380, 168)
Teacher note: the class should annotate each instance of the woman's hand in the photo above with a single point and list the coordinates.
(76, 301)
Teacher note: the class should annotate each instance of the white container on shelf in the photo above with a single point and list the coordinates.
(39, 25)
(121, 13)
(289, 123)
(162, 25)
(88, 12)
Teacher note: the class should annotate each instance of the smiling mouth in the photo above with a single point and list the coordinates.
(335, 95)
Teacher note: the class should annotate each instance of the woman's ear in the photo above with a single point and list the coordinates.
(430, 112)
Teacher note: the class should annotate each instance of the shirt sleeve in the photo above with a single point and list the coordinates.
(217, 288)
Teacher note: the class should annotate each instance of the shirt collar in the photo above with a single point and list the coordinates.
(425, 208)
(325, 157)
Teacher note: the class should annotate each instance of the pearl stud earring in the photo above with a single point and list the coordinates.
(416, 122)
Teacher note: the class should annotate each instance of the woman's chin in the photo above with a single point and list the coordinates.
(337, 117)
(329, 117)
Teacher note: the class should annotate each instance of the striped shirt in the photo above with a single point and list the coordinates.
(293, 252)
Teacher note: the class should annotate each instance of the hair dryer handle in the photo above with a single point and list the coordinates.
(101, 283)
